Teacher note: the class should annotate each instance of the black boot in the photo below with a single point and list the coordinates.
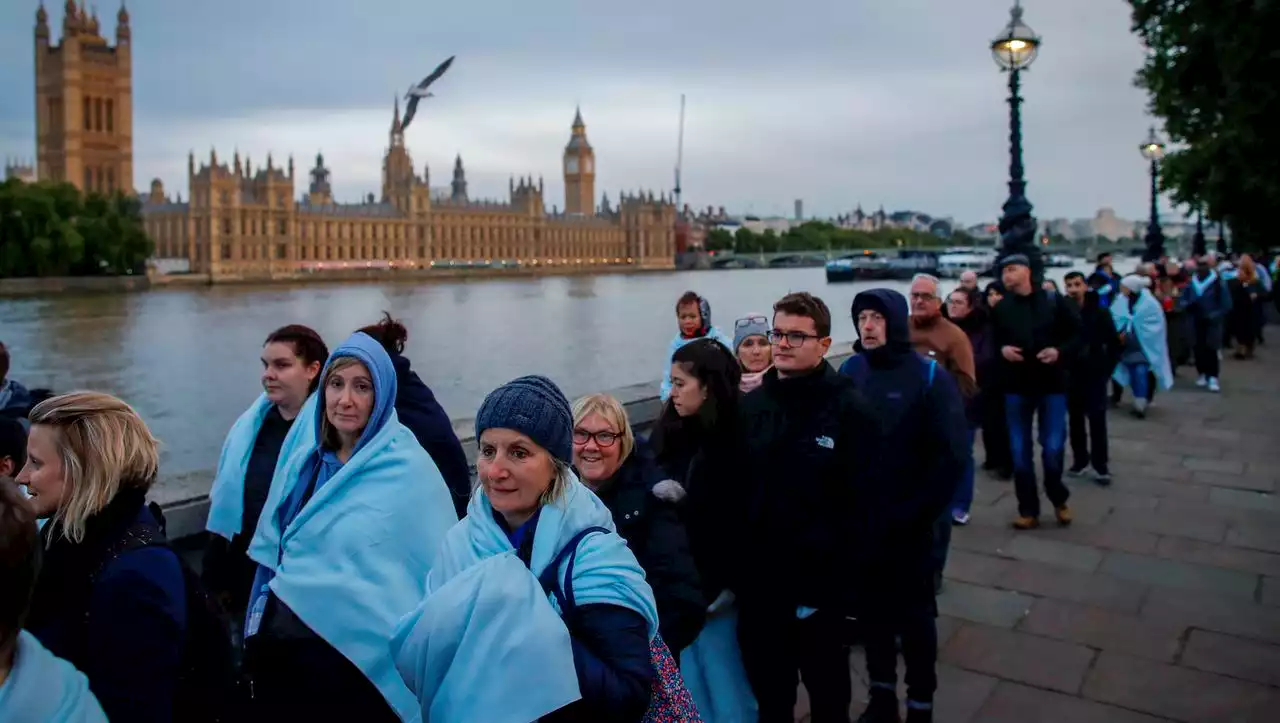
(883, 707)
(917, 715)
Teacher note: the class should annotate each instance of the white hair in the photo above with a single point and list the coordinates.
(937, 285)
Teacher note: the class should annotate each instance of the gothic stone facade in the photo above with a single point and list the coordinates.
(84, 103)
(244, 224)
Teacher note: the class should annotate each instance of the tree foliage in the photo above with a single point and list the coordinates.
(1211, 74)
(821, 236)
(50, 229)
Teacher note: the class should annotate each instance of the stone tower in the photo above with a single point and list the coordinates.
(579, 171)
(84, 103)
(397, 167)
(459, 183)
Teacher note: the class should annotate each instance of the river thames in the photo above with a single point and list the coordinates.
(187, 359)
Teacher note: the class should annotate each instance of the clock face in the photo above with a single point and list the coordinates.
(571, 164)
(586, 165)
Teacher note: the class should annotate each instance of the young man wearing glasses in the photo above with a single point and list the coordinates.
(807, 436)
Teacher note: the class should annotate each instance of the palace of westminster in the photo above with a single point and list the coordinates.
(240, 222)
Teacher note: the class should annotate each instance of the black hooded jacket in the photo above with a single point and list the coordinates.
(418, 410)
(1033, 323)
(1100, 345)
(919, 456)
(805, 440)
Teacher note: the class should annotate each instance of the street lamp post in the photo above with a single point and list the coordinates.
(1198, 245)
(1014, 49)
(1153, 151)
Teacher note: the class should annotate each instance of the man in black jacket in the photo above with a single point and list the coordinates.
(1087, 395)
(808, 434)
(920, 455)
(1038, 335)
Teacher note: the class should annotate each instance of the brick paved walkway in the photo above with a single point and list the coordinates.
(1161, 602)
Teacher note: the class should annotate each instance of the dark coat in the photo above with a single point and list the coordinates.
(656, 534)
(920, 453)
(122, 624)
(986, 360)
(610, 656)
(1033, 323)
(1100, 346)
(418, 410)
(806, 441)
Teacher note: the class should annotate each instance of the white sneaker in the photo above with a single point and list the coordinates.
(1203, 380)
(960, 518)
(1213, 385)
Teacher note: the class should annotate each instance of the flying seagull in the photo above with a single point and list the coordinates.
(419, 91)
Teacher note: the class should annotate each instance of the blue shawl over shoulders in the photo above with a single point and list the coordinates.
(355, 557)
(486, 643)
(226, 497)
(1146, 322)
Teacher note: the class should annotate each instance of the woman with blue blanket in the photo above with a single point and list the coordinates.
(487, 643)
(1139, 320)
(291, 360)
(351, 525)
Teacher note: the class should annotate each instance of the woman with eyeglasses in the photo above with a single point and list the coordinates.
(751, 344)
(622, 472)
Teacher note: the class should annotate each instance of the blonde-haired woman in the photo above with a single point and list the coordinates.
(110, 597)
(624, 475)
(486, 643)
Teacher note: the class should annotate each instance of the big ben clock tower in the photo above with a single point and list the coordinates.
(579, 171)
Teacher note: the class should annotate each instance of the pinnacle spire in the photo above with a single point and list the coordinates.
(577, 118)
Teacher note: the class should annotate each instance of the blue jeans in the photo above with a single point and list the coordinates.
(1052, 411)
(1139, 379)
(963, 498)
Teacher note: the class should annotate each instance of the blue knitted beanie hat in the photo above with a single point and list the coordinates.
(535, 407)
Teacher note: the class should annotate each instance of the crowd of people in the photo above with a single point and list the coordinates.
(781, 511)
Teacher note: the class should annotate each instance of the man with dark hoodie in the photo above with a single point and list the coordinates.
(1038, 335)
(904, 488)
(807, 434)
(1087, 394)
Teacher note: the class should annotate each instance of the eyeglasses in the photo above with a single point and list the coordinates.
(794, 338)
(749, 321)
(602, 439)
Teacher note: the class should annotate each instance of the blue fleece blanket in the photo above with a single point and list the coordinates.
(713, 673)
(43, 687)
(1146, 322)
(226, 497)
(356, 556)
(487, 644)
(680, 341)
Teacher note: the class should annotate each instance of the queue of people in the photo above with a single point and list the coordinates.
(588, 573)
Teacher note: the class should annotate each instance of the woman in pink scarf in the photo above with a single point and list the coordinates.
(751, 345)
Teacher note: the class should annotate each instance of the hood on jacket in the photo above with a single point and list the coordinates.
(369, 352)
(893, 306)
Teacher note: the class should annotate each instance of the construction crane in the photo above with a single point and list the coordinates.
(679, 156)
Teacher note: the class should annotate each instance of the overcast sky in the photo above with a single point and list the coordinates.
(893, 102)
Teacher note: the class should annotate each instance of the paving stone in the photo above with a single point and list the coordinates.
(1152, 469)
(1181, 575)
(1265, 467)
(1058, 583)
(1062, 554)
(975, 568)
(1222, 466)
(1019, 657)
(1103, 629)
(1171, 522)
(1014, 703)
(1162, 488)
(1204, 553)
(1238, 481)
(1270, 591)
(1233, 657)
(1182, 694)
(998, 608)
(1255, 536)
(1109, 537)
(981, 538)
(1246, 499)
(1209, 611)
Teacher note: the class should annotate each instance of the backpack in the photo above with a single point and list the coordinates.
(208, 687)
(669, 699)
